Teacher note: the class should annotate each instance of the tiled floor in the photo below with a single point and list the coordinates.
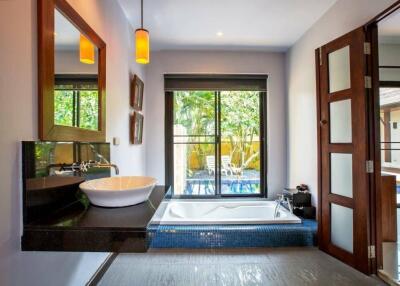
(259, 266)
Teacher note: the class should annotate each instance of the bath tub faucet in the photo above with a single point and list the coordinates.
(278, 206)
(280, 202)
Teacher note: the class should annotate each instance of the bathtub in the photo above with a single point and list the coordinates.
(187, 212)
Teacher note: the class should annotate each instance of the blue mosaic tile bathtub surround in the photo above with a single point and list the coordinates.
(232, 236)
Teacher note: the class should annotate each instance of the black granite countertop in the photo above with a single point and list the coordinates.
(90, 228)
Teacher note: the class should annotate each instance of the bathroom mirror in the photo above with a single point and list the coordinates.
(72, 74)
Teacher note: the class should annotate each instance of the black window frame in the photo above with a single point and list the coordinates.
(77, 81)
(215, 83)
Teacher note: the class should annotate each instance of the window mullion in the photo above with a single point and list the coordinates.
(218, 142)
(78, 108)
(74, 108)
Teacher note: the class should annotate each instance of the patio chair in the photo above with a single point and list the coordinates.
(211, 166)
(230, 167)
(227, 167)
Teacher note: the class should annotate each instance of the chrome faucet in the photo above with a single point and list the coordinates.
(278, 205)
(279, 202)
(83, 166)
(102, 165)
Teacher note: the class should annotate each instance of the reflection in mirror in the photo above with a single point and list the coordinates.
(76, 93)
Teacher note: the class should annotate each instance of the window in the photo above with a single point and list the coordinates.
(389, 96)
(76, 101)
(214, 139)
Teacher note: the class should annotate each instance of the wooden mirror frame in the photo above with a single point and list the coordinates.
(48, 131)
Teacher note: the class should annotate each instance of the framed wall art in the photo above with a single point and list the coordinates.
(136, 128)
(136, 98)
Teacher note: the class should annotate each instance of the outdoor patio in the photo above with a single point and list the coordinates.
(202, 183)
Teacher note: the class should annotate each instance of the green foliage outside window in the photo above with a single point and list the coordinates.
(240, 123)
(89, 110)
(76, 105)
(63, 107)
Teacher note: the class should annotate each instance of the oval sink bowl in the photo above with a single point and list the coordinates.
(118, 191)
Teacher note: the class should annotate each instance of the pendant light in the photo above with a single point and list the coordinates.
(142, 42)
(86, 50)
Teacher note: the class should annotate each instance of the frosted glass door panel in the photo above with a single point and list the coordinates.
(342, 174)
(339, 70)
(340, 121)
(342, 227)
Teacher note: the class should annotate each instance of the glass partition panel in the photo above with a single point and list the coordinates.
(194, 169)
(342, 227)
(339, 70)
(217, 144)
(340, 121)
(194, 143)
(240, 142)
(342, 174)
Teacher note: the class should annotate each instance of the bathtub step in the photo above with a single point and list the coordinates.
(232, 236)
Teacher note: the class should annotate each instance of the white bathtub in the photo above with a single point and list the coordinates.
(175, 212)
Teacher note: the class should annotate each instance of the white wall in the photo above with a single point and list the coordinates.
(164, 62)
(342, 17)
(18, 121)
(67, 62)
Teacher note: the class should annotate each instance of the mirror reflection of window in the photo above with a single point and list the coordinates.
(76, 96)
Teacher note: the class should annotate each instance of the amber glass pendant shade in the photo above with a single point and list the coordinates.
(142, 46)
(86, 51)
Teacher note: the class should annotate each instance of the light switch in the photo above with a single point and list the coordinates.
(116, 141)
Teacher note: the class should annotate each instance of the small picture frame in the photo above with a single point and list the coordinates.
(137, 87)
(136, 128)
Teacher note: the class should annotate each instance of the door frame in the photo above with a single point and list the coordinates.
(371, 31)
(374, 152)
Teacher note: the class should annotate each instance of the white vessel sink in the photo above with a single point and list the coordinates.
(118, 191)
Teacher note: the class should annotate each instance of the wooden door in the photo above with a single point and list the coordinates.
(343, 154)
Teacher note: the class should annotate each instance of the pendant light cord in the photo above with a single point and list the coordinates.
(141, 20)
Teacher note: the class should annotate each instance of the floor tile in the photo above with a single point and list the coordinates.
(242, 267)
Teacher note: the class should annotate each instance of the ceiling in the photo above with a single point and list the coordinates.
(263, 25)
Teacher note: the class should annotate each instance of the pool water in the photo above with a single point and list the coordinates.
(201, 183)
